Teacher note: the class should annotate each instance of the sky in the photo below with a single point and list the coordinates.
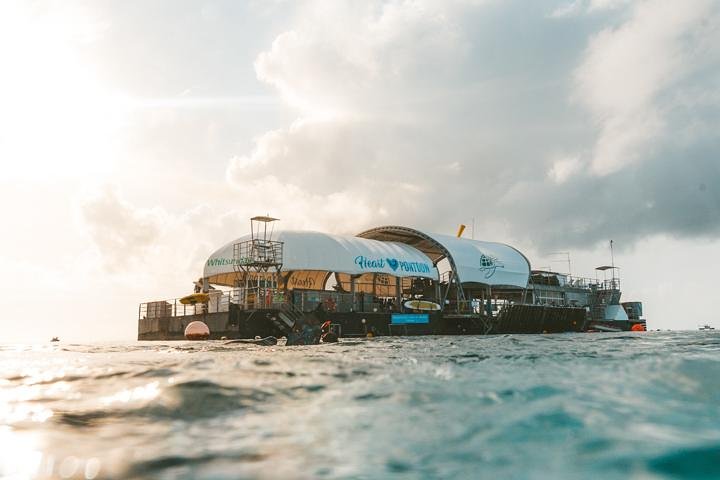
(137, 137)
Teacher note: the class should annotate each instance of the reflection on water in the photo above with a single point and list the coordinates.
(644, 405)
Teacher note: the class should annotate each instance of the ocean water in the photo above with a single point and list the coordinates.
(631, 405)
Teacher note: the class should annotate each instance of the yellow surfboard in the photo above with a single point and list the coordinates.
(194, 298)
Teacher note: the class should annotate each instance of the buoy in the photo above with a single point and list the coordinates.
(638, 327)
(197, 330)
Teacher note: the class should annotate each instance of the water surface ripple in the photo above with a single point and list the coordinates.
(641, 405)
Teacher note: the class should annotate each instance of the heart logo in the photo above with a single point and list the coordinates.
(393, 263)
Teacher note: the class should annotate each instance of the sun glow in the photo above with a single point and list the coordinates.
(20, 455)
(57, 120)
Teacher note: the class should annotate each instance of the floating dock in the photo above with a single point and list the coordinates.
(389, 280)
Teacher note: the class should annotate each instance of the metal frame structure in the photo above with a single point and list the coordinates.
(258, 262)
(426, 244)
(437, 252)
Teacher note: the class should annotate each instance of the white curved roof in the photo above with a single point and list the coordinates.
(306, 250)
(490, 263)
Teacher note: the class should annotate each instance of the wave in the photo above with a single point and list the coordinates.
(188, 401)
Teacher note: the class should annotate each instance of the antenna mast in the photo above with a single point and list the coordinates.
(567, 255)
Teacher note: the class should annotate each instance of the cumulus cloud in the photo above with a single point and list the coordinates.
(156, 244)
(564, 169)
(626, 69)
(335, 212)
(121, 232)
(409, 109)
(581, 7)
(152, 242)
(352, 57)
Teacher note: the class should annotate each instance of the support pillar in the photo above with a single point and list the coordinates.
(353, 307)
(398, 293)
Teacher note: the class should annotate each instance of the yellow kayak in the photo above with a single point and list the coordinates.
(194, 298)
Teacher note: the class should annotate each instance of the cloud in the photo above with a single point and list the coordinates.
(627, 69)
(121, 232)
(350, 57)
(554, 124)
(581, 7)
(152, 245)
(564, 168)
(339, 211)
(147, 242)
(409, 108)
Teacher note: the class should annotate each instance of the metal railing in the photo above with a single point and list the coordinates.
(581, 282)
(342, 301)
(610, 284)
(476, 306)
(265, 298)
(258, 253)
(174, 308)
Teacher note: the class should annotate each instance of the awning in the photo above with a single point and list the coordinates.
(474, 261)
(322, 252)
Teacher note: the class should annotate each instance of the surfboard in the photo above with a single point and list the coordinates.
(194, 298)
(421, 305)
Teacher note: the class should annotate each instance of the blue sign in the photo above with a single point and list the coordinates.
(395, 264)
(410, 318)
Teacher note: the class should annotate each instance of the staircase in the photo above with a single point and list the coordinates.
(286, 319)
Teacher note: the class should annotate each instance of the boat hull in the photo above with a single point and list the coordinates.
(237, 323)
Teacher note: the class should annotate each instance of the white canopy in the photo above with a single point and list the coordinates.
(489, 263)
(316, 251)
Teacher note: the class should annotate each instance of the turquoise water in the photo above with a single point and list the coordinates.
(640, 405)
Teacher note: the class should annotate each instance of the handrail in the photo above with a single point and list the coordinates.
(583, 282)
(261, 297)
(174, 308)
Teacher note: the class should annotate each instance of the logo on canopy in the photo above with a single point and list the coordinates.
(395, 264)
(489, 265)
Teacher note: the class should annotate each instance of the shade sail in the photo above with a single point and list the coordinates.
(489, 263)
(474, 261)
(316, 251)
